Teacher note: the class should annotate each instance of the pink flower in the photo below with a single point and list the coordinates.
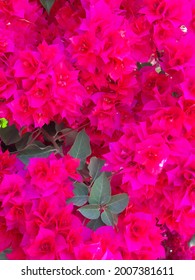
(27, 65)
(141, 231)
(64, 221)
(186, 225)
(105, 120)
(5, 235)
(44, 115)
(123, 70)
(48, 175)
(145, 253)
(16, 214)
(6, 87)
(82, 49)
(170, 120)
(50, 55)
(40, 92)
(102, 236)
(11, 188)
(140, 25)
(71, 165)
(17, 254)
(46, 246)
(21, 110)
(6, 42)
(8, 164)
(152, 153)
(38, 170)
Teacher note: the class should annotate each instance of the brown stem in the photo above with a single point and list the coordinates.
(51, 139)
(33, 139)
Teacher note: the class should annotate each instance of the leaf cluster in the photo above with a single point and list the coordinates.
(95, 201)
(26, 144)
(93, 197)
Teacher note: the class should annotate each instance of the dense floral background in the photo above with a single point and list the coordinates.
(97, 97)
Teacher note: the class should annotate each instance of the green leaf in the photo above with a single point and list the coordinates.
(3, 254)
(3, 123)
(100, 191)
(81, 148)
(107, 218)
(23, 141)
(82, 164)
(191, 243)
(90, 211)
(47, 4)
(95, 166)
(59, 126)
(95, 224)
(9, 135)
(80, 194)
(35, 151)
(70, 136)
(118, 203)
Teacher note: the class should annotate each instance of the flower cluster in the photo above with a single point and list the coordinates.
(123, 70)
(35, 220)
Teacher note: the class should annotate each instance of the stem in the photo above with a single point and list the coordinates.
(4, 62)
(33, 139)
(116, 173)
(63, 135)
(89, 187)
(140, 65)
(52, 140)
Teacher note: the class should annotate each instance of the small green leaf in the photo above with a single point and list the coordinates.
(95, 224)
(90, 211)
(100, 191)
(3, 123)
(107, 218)
(118, 203)
(35, 151)
(95, 166)
(47, 4)
(80, 194)
(191, 243)
(9, 135)
(81, 148)
(3, 254)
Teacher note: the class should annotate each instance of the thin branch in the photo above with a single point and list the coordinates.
(52, 140)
